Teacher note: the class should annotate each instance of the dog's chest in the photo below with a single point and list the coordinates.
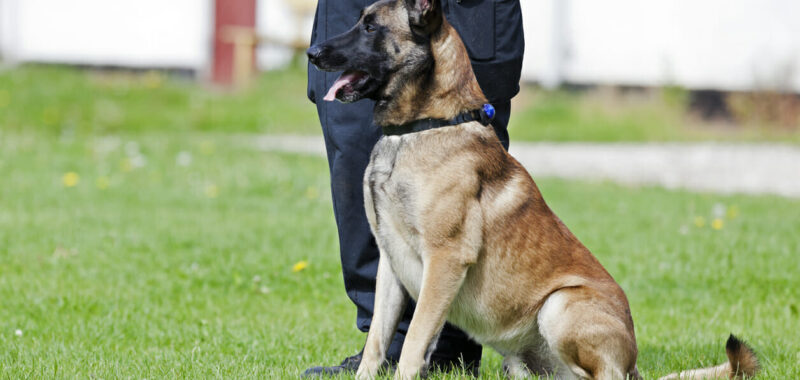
(392, 205)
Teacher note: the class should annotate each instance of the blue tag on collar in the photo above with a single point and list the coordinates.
(488, 109)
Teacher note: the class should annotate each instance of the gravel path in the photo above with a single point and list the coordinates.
(708, 167)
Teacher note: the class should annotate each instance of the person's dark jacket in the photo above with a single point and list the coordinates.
(491, 30)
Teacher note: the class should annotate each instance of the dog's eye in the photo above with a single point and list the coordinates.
(369, 28)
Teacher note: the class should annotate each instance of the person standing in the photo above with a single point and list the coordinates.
(492, 32)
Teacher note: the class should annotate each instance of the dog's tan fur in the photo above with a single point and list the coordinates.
(463, 230)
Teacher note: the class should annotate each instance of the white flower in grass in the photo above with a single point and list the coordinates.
(719, 210)
(18, 332)
(106, 145)
(138, 161)
(183, 158)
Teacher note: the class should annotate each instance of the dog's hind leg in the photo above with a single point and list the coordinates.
(390, 302)
(588, 334)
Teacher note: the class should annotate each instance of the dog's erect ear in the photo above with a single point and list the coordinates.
(425, 16)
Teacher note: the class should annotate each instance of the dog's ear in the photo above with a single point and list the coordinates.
(425, 16)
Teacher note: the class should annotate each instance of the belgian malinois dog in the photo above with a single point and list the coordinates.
(461, 226)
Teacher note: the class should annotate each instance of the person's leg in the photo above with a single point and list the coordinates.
(349, 138)
(500, 122)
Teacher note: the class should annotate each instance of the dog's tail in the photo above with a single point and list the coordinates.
(742, 363)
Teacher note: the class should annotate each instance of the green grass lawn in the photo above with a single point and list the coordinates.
(69, 101)
(158, 254)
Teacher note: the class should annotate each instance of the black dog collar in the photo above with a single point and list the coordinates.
(483, 115)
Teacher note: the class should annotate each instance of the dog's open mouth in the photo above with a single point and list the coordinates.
(346, 87)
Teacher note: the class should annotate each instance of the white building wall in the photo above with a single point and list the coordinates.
(277, 20)
(7, 28)
(720, 44)
(134, 33)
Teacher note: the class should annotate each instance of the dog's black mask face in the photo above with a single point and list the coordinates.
(390, 40)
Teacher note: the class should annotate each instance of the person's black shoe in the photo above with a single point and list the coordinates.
(468, 361)
(349, 365)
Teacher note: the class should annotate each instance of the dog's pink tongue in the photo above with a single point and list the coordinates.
(341, 82)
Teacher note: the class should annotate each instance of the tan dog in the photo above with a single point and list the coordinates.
(461, 226)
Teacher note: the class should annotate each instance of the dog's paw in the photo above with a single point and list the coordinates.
(366, 372)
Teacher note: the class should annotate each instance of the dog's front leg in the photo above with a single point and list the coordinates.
(441, 280)
(390, 303)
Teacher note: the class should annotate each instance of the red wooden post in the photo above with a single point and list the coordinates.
(234, 39)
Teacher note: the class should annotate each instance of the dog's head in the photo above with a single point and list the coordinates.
(389, 45)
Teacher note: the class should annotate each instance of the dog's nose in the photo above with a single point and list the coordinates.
(314, 53)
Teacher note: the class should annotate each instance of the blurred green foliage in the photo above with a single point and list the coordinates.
(65, 100)
(642, 115)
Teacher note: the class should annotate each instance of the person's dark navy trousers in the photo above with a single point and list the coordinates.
(492, 32)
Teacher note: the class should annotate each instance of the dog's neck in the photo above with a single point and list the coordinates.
(445, 90)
